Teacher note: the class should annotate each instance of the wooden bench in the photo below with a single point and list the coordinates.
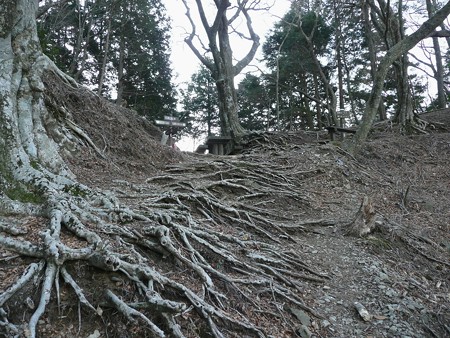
(333, 130)
(219, 145)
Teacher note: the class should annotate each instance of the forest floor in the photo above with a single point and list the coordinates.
(400, 273)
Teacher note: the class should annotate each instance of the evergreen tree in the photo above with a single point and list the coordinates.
(119, 47)
(292, 50)
(143, 51)
(201, 105)
(254, 104)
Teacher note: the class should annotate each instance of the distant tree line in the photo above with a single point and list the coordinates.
(119, 48)
(320, 60)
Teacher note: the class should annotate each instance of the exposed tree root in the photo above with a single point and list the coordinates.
(192, 252)
(415, 242)
(218, 249)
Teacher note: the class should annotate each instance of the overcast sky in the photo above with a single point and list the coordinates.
(184, 62)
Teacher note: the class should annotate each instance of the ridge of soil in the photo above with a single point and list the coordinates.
(399, 273)
(407, 294)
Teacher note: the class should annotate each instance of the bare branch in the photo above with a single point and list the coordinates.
(440, 34)
(44, 9)
(251, 54)
(190, 39)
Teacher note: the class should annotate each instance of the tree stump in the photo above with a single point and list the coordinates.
(364, 221)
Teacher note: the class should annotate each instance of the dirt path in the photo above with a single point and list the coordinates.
(272, 198)
(400, 301)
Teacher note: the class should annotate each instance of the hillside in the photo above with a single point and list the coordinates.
(280, 211)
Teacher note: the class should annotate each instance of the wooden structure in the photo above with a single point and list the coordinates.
(170, 125)
(333, 130)
(218, 145)
(201, 149)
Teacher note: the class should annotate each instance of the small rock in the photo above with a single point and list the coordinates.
(301, 316)
(358, 332)
(365, 315)
(393, 329)
(325, 323)
(378, 317)
(391, 293)
(304, 332)
(383, 276)
(95, 334)
(30, 303)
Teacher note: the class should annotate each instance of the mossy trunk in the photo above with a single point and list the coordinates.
(28, 156)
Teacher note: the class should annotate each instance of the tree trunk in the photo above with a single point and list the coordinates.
(101, 77)
(24, 136)
(350, 93)
(224, 77)
(120, 73)
(277, 80)
(393, 54)
(222, 69)
(338, 37)
(372, 53)
(405, 114)
(439, 73)
(318, 104)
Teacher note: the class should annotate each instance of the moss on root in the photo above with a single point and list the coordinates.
(20, 193)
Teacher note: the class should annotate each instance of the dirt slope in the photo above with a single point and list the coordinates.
(399, 273)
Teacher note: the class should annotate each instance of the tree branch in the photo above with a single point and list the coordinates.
(190, 39)
(440, 34)
(250, 55)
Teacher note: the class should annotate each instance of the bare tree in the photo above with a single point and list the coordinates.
(399, 49)
(222, 67)
(439, 69)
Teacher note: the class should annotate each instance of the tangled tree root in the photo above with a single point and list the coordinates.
(191, 255)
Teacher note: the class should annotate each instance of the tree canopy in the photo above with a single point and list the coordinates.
(121, 48)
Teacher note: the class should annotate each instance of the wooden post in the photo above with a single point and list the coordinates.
(215, 149)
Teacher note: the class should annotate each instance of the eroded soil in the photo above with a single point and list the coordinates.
(399, 273)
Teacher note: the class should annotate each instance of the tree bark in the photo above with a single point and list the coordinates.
(393, 54)
(23, 111)
(120, 71)
(222, 69)
(439, 73)
(372, 52)
(101, 77)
